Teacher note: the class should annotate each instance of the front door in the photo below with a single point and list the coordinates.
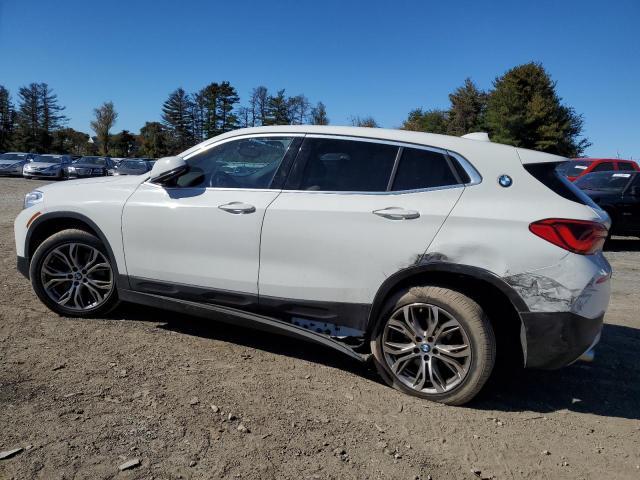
(203, 230)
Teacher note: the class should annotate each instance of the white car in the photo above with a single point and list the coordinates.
(428, 254)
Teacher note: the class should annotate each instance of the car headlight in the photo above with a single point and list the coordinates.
(71, 169)
(33, 198)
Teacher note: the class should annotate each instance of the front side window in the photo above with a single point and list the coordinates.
(420, 169)
(245, 163)
(345, 165)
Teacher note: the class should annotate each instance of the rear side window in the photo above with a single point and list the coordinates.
(573, 168)
(603, 167)
(423, 169)
(546, 173)
(625, 166)
(344, 165)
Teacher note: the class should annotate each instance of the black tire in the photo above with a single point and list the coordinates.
(60, 239)
(473, 322)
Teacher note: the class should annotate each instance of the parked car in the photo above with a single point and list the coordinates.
(414, 250)
(89, 167)
(47, 166)
(11, 163)
(133, 166)
(617, 193)
(574, 169)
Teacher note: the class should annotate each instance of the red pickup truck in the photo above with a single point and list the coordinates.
(578, 167)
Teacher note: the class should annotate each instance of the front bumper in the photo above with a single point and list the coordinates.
(22, 264)
(11, 171)
(33, 173)
(556, 339)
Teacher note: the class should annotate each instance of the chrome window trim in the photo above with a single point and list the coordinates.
(474, 175)
(247, 136)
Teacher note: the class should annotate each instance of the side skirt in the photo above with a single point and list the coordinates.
(237, 317)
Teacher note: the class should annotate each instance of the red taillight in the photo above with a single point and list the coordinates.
(577, 236)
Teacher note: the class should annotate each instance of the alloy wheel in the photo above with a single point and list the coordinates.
(426, 348)
(77, 276)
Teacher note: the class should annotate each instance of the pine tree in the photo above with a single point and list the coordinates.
(319, 115)
(227, 100)
(7, 119)
(468, 106)
(178, 120)
(524, 110)
(278, 112)
(37, 118)
(106, 117)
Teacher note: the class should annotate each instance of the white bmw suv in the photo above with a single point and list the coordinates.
(428, 254)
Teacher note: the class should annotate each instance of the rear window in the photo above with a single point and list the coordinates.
(573, 168)
(603, 167)
(625, 166)
(547, 174)
(423, 169)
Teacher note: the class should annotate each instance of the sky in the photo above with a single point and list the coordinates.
(361, 58)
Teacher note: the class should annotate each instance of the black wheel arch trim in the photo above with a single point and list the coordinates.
(443, 267)
(45, 217)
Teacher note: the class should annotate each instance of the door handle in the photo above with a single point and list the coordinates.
(237, 207)
(397, 213)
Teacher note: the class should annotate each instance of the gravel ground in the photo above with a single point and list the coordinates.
(176, 397)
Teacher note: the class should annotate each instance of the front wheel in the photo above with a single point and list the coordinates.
(72, 275)
(434, 343)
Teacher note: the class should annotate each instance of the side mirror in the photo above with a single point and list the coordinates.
(167, 168)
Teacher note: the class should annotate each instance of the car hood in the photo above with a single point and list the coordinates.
(9, 162)
(44, 164)
(99, 182)
(131, 171)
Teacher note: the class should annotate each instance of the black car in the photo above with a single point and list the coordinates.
(85, 167)
(133, 166)
(618, 193)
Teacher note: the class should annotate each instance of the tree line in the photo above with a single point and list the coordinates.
(521, 109)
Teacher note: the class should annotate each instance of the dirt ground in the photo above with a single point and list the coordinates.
(190, 398)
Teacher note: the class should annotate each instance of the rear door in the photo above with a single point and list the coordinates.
(353, 212)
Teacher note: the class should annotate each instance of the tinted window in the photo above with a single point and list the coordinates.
(422, 169)
(603, 167)
(574, 168)
(625, 166)
(246, 163)
(346, 165)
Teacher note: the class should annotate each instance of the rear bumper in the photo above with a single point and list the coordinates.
(555, 339)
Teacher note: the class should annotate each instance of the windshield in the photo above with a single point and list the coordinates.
(573, 168)
(135, 164)
(609, 181)
(48, 158)
(13, 156)
(101, 161)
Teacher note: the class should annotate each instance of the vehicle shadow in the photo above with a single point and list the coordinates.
(260, 340)
(622, 244)
(609, 387)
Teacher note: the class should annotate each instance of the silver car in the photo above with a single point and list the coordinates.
(47, 166)
(11, 163)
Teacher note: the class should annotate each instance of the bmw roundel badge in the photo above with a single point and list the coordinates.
(505, 181)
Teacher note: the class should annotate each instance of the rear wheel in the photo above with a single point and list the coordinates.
(434, 343)
(72, 275)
